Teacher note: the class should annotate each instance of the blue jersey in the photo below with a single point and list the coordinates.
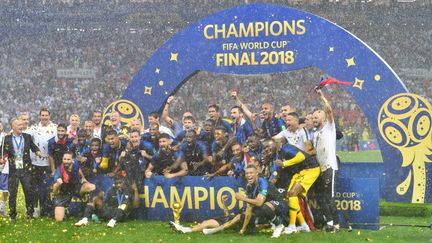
(272, 127)
(242, 131)
(57, 148)
(71, 187)
(193, 153)
(264, 188)
(162, 160)
(113, 154)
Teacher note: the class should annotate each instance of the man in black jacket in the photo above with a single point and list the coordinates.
(18, 145)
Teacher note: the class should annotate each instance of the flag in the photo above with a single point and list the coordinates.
(328, 81)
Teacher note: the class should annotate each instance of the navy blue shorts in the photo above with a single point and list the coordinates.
(4, 182)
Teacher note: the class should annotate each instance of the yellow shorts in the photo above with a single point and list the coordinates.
(305, 178)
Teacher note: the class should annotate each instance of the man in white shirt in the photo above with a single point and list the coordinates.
(325, 145)
(153, 117)
(294, 135)
(41, 133)
(97, 121)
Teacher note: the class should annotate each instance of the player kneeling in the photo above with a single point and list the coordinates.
(115, 207)
(69, 182)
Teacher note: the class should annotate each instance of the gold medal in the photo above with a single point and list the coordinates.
(94, 170)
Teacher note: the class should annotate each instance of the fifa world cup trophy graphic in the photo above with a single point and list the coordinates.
(404, 122)
(177, 208)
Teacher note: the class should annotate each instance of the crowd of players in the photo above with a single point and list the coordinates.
(280, 155)
(398, 33)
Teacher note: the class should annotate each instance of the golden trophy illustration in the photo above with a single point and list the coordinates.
(177, 208)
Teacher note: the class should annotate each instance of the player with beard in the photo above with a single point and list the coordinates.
(57, 146)
(325, 145)
(69, 181)
(163, 161)
(242, 129)
(194, 153)
(97, 121)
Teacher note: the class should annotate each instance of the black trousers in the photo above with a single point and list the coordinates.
(326, 185)
(107, 213)
(42, 185)
(25, 177)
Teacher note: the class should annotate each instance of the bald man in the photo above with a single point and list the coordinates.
(271, 125)
(325, 144)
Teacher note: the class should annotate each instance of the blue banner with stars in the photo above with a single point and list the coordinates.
(263, 38)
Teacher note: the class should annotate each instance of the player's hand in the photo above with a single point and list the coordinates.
(319, 92)
(239, 196)
(59, 181)
(224, 198)
(134, 187)
(98, 160)
(279, 163)
(168, 175)
(111, 174)
(230, 173)
(220, 153)
(246, 149)
(242, 232)
(167, 170)
(39, 154)
(144, 153)
(81, 159)
(170, 99)
(233, 94)
(122, 154)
